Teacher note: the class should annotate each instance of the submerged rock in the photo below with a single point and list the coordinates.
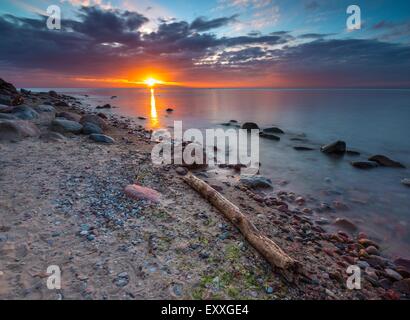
(137, 192)
(338, 147)
(256, 182)
(353, 153)
(63, 126)
(273, 130)
(302, 148)
(363, 164)
(101, 138)
(386, 162)
(17, 129)
(250, 126)
(269, 136)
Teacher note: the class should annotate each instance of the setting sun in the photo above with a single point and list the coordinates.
(150, 82)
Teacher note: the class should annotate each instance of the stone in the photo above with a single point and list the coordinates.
(7, 116)
(61, 104)
(53, 94)
(169, 110)
(406, 182)
(105, 106)
(122, 279)
(302, 148)
(25, 113)
(250, 126)
(364, 165)
(96, 120)
(345, 224)
(256, 182)
(44, 108)
(52, 137)
(367, 242)
(11, 130)
(402, 286)
(69, 116)
(353, 153)
(4, 108)
(362, 264)
(269, 136)
(138, 192)
(338, 147)
(386, 162)
(181, 171)
(273, 130)
(405, 263)
(90, 128)
(372, 250)
(62, 125)
(101, 138)
(393, 274)
(376, 261)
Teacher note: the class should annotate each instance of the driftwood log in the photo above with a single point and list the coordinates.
(265, 246)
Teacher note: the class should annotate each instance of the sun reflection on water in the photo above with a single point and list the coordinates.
(154, 114)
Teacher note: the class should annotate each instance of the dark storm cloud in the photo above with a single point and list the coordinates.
(103, 42)
(202, 24)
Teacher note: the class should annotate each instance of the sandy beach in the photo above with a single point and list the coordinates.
(62, 202)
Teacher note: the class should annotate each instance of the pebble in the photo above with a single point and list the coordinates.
(393, 274)
(269, 290)
(372, 250)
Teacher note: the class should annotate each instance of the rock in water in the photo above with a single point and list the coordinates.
(301, 148)
(345, 224)
(363, 164)
(63, 126)
(101, 138)
(250, 126)
(386, 162)
(273, 130)
(16, 130)
(96, 120)
(338, 147)
(257, 182)
(90, 128)
(269, 136)
(25, 113)
(169, 110)
(137, 192)
(406, 182)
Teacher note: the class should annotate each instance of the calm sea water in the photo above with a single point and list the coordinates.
(370, 121)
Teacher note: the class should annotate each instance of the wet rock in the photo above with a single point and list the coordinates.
(101, 138)
(7, 88)
(376, 261)
(402, 286)
(11, 130)
(405, 263)
(302, 148)
(69, 116)
(269, 136)
(233, 121)
(250, 126)
(372, 250)
(353, 153)
(138, 192)
(362, 264)
(4, 108)
(256, 182)
(345, 224)
(181, 171)
(25, 113)
(393, 274)
(62, 104)
(273, 130)
(386, 162)
(63, 126)
(364, 165)
(7, 116)
(91, 128)
(367, 242)
(169, 110)
(53, 94)
(142, 118)
(406, 182)
(96, 120)
(338, 147)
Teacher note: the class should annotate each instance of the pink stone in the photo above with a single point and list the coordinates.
(137, 192)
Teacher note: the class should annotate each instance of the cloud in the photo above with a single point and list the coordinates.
(109, 43)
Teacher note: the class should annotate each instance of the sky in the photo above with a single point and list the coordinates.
(206, 43)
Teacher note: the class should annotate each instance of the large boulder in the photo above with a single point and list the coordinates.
(338, 147)
(137, 192)
(273, 130)
(25, 113)
(101, 138)
(90, 128)
(92, 118)
(386, 162)
(256, 182)
(7, 88)
(11, 130)
(250, 126)
(63, 126)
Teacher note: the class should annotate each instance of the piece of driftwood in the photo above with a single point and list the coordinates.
(265, 246)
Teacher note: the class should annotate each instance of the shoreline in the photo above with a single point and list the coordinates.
(64, 204)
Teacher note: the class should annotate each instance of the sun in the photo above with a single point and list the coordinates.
(150, 82)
